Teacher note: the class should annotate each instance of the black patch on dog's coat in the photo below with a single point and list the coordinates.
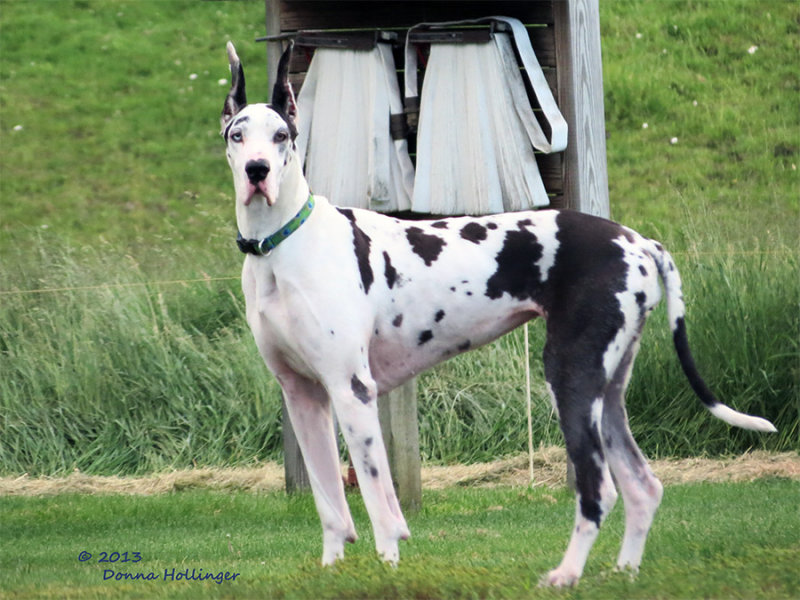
(389, 271)
(426, 246)
(517, 273)
(588, 272)
(425, 336)
(465, 346)
(590, 508)
(642, 270)
(359, 389)
(473, 232)
(440, 225)
(584, 442)
(584, 317)
(398, 320)
(290, 125)
(439, 315)
(361, 244)
(282, 100)
(226, 132)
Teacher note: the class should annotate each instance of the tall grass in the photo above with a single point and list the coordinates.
(130, 376)
(134, 376)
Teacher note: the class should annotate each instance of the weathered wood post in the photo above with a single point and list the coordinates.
(293, 465)
(397, 411)
(580, 92)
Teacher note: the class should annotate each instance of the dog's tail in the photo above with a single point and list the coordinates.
(676, 310)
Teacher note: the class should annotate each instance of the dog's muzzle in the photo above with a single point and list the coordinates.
(257, 171)
(258, 176)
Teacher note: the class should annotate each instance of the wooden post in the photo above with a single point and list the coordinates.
(580, 94)
(397, 411)
(293, 466)
(274, 50)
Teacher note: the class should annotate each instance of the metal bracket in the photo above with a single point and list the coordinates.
(350, 40)
(444, 35)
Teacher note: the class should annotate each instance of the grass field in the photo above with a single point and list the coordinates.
(113, 183)
(709, 540)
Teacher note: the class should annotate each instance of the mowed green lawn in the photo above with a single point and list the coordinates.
(725, 540)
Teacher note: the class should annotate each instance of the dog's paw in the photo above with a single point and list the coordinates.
(560, 577)
(333, 545)
(627, 569)
(389, 553)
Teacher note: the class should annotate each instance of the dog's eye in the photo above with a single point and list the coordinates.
(236, 136)
(280, 137)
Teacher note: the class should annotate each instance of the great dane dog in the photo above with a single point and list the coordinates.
(347, 304)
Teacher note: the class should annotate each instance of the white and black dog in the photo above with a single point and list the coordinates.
(347, 304)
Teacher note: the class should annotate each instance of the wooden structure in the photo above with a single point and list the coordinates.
(565, 35)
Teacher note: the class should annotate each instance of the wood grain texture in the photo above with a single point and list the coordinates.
(580, 76)
(397, 411)
(293, 465)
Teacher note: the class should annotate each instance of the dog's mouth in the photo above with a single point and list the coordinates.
(264, 189)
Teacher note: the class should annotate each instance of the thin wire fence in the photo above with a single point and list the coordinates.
(206, 280)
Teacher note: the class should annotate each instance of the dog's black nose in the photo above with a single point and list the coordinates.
(256, 170)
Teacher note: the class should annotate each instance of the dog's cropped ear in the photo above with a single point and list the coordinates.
(237, 99)
(283, 100)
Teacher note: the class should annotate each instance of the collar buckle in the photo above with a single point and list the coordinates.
(264, 247)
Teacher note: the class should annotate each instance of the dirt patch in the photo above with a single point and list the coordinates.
(549, 470)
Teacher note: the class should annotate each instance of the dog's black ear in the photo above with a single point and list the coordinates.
(237, 99)
(283, 100)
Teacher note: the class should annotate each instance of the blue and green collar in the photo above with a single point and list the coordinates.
(268, 244)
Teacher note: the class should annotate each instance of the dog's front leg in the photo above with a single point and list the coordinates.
(310, 414)
(356, 404)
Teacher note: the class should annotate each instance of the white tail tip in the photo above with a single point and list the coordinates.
(737, 419)
(232, 56)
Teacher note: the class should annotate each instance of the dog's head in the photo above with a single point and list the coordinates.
(259, 137)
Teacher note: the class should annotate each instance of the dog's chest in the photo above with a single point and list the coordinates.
(271, 318)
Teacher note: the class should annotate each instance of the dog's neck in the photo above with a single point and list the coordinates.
(259, 220)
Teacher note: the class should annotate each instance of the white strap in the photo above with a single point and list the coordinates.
(532, 72)
(404, 180)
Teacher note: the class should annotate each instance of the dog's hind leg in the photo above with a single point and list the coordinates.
(356, 405)
(577, 382)
(641, 490)
(310, 413)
